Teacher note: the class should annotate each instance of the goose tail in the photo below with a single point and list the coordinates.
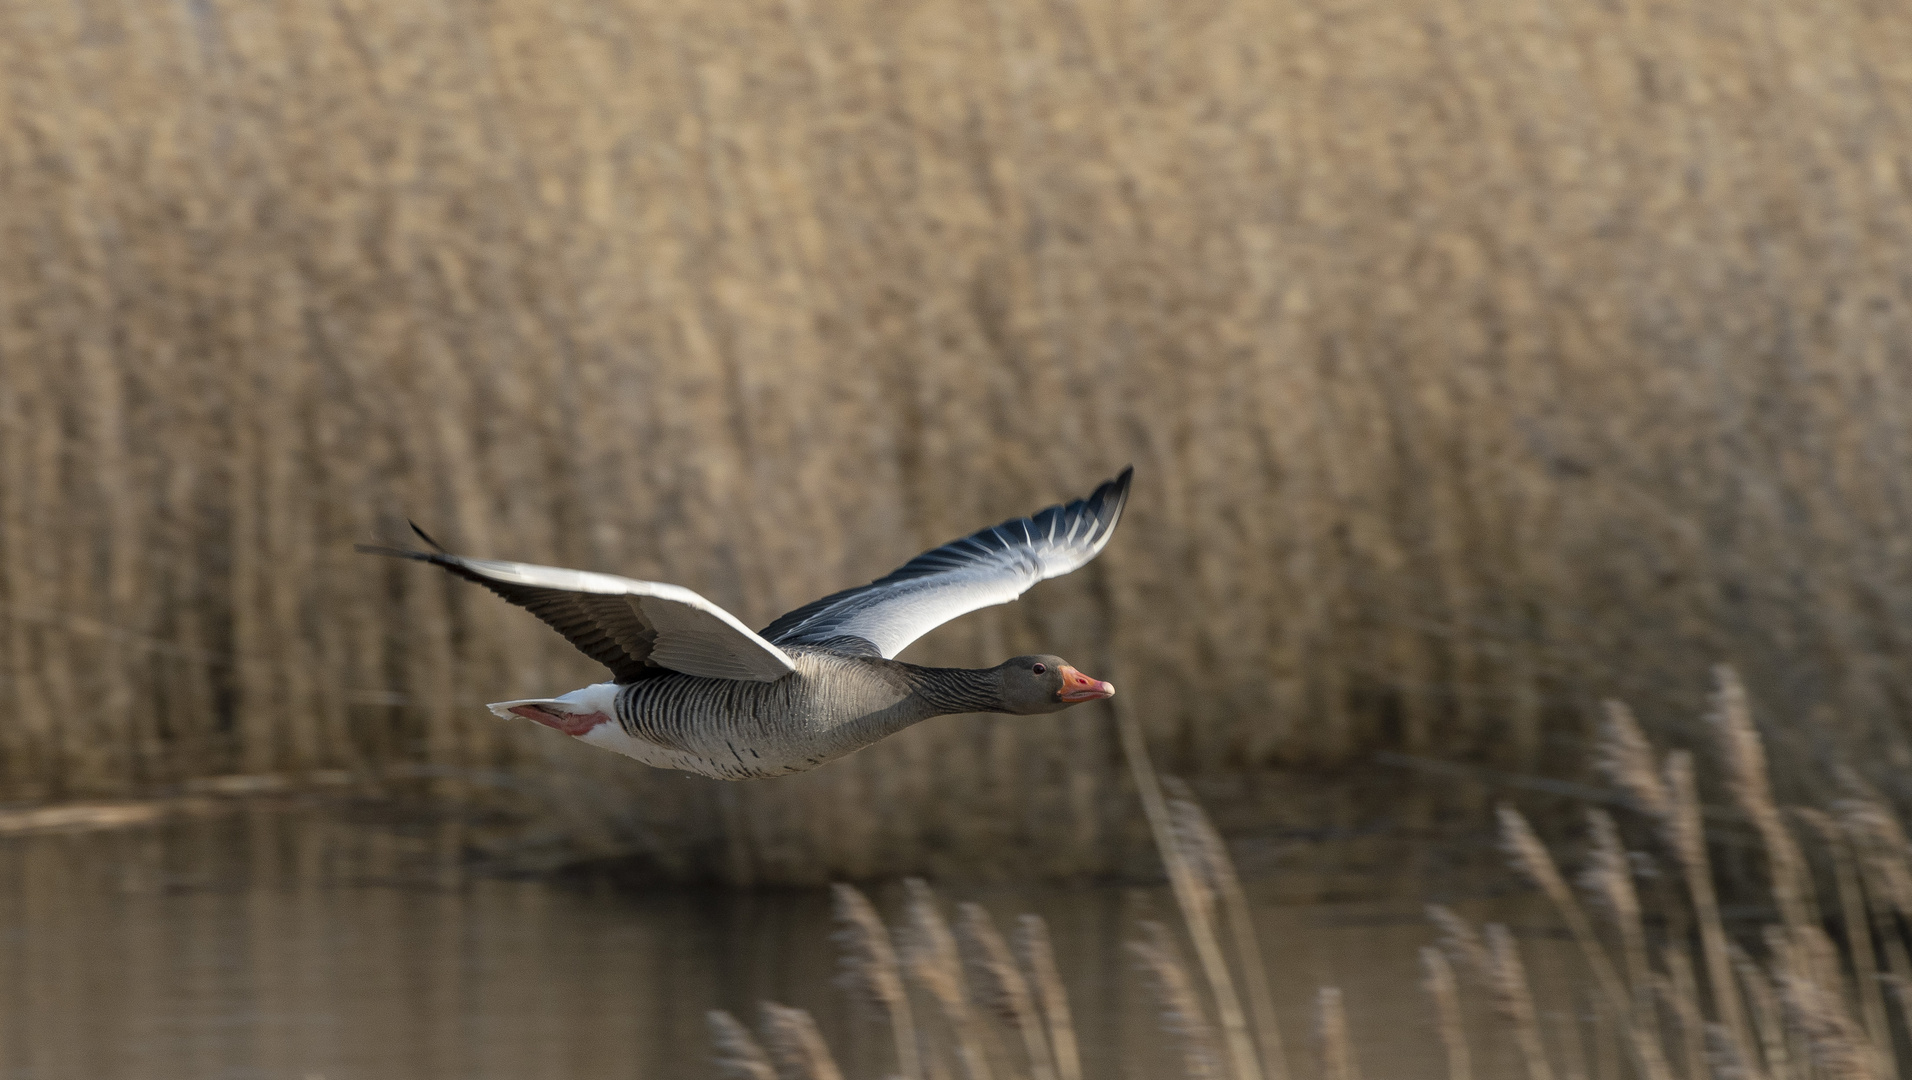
(576, 713)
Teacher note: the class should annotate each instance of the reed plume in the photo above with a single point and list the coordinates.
(1838, 1047)
(1627, 758)
(1192, 896)
(1531, 857)
(1609, 876)
(1003, 989)
(739, 1056)
(1441, 986)
(1337, 1050)
(1515, 1001)
(1039, 960)
(932, 957)
(870, 966)
(1725, 1059)
(796, 1045)
(1182, 1013)
(1887, 854)
(1461, 942)
(1197, 836)
(1745, 757)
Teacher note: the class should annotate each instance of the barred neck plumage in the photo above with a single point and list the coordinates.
(957, 690)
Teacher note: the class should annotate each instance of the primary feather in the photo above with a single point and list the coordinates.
(988, 567)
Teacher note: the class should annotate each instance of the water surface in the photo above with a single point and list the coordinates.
(298, 942)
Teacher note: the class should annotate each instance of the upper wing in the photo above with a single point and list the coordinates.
(632, 627)
(990, 567)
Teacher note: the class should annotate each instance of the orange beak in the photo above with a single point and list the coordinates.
(1079, 687)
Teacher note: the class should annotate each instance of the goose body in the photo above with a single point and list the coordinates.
(693, 689)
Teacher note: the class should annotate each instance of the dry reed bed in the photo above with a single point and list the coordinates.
(1670, 993)
(1478, 361)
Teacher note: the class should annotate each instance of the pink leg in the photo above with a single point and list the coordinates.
(569, 723)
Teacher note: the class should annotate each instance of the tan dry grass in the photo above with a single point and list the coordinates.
(1801, 1020)
(1476, 359)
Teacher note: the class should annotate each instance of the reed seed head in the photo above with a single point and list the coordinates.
(739, 1057)
(931, 950)
(1628, 760)
(868, 958)
(796, 1045)
(1182, 1012)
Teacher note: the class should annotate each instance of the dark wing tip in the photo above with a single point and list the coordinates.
(427, 537)
(1105, 504)
(1117, 488)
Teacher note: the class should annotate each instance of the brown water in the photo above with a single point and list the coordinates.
(299, 943)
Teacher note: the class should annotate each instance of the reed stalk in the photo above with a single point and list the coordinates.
(1901, 989)
(1679, 991)
(1609, 1055)
(1789, 963)
(1039, 960)
(1898, 973)
(1687, 837)
(1768, 1021)
(1858, 925)
(1574, 1048)
(871, 967)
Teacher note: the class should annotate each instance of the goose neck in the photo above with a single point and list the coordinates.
(958, 690)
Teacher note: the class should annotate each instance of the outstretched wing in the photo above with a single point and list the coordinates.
(990, 567)
(632, 627)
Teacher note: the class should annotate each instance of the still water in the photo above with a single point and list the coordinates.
(297, 942)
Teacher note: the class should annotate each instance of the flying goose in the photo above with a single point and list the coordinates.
(693, 688)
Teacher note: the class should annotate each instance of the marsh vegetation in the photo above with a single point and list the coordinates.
(1479, 361)
(1664, 991)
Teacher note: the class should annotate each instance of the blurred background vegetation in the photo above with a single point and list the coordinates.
(1479, 360)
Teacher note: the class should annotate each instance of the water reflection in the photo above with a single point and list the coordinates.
(303, 943)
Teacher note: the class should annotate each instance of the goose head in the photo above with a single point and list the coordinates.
(1046, 684)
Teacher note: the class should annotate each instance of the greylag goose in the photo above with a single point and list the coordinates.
(693, 688)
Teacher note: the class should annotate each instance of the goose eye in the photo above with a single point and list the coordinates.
(1039, 669)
